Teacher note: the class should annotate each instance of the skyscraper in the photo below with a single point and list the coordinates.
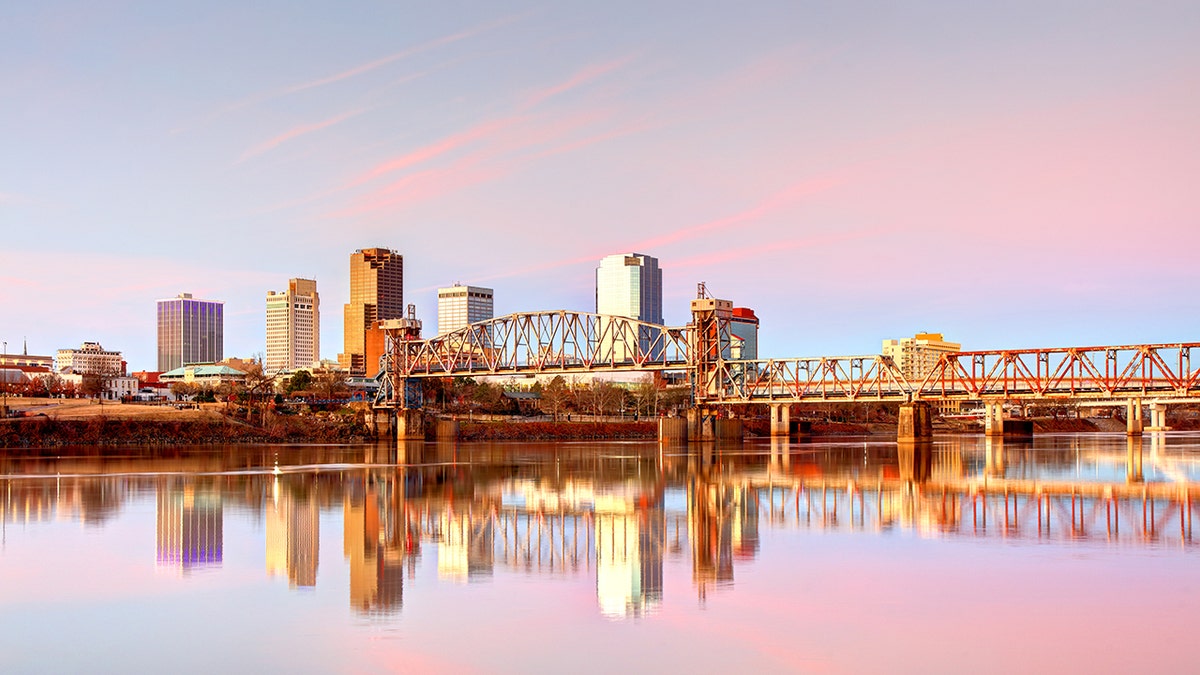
(190, 331)
(630, 284)
(293, 327)
(376, 294)
(459, 306)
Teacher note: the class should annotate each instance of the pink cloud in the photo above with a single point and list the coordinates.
(433, 150)
(578, 79)
(790, 194)
(296, 132)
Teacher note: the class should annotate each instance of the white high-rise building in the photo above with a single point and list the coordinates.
(460, 306)
(630, 285)
(293, 327)
(917, 356)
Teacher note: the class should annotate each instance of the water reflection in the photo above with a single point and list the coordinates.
(619, 513)
(189, 524)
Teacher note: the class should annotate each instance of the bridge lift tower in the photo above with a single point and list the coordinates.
(709, 341)
(401, 397)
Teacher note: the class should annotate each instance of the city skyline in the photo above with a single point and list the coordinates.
(851, 174)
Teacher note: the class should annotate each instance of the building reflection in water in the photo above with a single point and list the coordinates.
(629, 541)
(376, 544)
(525, 510)
(466, 551)
(190, 522)
(293, 533)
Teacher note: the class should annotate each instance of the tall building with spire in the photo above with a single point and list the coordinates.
(293, 327)
(376, 294)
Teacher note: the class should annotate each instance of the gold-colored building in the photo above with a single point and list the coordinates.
(376, 294)
(917, 356)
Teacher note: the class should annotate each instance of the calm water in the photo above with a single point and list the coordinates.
(1071, 553)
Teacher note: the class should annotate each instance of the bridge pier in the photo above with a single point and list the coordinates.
(1133, 417)
(1158, 417)
(993, 418)
(410, 425)
(780, 419)
(672, 430)
(914, 422)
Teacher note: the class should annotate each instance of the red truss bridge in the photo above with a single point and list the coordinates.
(567, 343)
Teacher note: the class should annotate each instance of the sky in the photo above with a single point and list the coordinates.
(1013, 175)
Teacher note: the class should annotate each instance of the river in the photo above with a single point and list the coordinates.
(1072, 552)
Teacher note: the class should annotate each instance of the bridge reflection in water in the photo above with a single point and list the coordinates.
(621, 513)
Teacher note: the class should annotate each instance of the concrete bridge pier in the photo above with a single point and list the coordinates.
(1158, 417)
(1133, 417)
(672, 430)
(780, 419)
(914, 422)
(410, 425)
(993, 418)
(1133, 461)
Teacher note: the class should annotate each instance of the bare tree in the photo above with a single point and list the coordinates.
(555, 396)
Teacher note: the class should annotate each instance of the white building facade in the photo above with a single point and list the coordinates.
(293, 327)
(460, 306)
(630, 285)
(90, 359)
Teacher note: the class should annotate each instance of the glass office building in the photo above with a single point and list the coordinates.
(630, 285)
(190, 331)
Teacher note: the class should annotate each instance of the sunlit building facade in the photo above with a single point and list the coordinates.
(630, 285)
(190, 331)
(89, 359)
(460, 306)
(293, 327)
(376, 294)
(917, 356)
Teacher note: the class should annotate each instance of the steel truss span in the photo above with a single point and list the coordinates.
(562, 342)
(1116, 372)
(542, 342)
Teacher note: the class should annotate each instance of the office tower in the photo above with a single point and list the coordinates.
(376, 294)
(460, 306)
(293, 327)
(630, 284)
(190, 331)
(917, 356)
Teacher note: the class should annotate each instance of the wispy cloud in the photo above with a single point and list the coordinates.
(357, 70)
(294, 133)
(578, 79)
(774, 202)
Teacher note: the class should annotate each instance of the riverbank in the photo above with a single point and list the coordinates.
(49, 432)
